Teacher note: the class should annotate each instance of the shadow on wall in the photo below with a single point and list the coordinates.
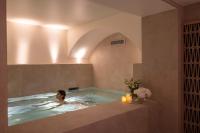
(113, 63)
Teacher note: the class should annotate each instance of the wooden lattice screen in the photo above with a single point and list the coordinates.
(192, 78)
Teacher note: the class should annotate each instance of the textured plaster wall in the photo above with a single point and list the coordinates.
(191, 13)
(28, 44)
(159, 70)
(113, 63)
(32, 79)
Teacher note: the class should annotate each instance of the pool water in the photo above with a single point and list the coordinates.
(28, 108)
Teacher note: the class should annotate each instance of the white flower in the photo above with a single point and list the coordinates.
(143, 92)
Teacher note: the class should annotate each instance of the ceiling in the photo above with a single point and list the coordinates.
(76, 12)
(186, 2)
(137, 7)
(69, 12)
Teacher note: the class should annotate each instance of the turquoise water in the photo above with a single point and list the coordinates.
(28, 108)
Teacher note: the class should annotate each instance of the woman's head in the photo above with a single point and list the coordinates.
(61, 95)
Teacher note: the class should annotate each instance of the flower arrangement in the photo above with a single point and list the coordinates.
(142, 93)
(132, 85)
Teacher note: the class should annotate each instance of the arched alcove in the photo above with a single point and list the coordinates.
(86, 44)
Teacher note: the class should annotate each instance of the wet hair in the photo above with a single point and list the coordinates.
(62, 93)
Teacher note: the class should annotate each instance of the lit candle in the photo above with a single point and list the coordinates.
(129, 99)
(123, 99)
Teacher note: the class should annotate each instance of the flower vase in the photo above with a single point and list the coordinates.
(140, 100)
(132, 93)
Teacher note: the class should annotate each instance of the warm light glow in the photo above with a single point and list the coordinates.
(37, 23)
(78, 60)
(54, 44)
(56, 27)
(22, 54)
(123, 99)
(25, 21)
(129, 98)
(54, 51)
(80, 53)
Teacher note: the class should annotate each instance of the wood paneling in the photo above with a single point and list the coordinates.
(3, 68)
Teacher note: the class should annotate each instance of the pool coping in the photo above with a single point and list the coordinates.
(77, 119)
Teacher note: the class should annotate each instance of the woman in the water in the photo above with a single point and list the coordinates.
(61, 94)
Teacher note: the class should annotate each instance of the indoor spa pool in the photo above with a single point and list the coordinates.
(28, 108)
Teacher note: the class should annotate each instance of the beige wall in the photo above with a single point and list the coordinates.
(160, 65)
(113, 63)
(36, 44)
(3, 69)
(32, 79)
(191, 13)
(28, 44)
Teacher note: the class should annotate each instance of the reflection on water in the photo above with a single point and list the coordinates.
(23, 109)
